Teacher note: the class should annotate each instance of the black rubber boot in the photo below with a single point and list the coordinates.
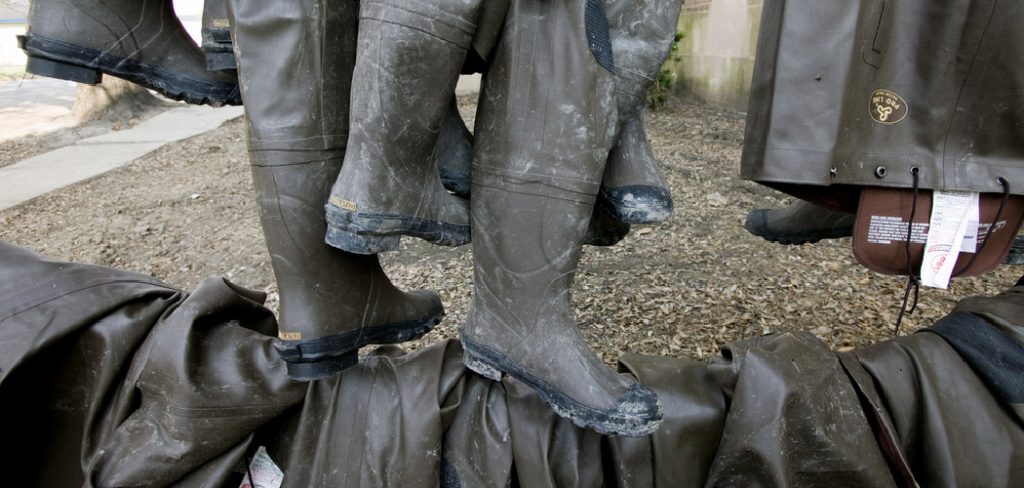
(216, 36)
(409, 61)
(801, 222)
(546, 122)
(295, 59)
(642, 32)
(142, 42)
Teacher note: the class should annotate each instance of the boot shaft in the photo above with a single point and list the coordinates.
(543, 134)
(295, 61)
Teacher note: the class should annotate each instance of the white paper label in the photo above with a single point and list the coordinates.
(265, 472)
(952, 214)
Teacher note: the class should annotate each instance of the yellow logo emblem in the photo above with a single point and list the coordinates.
(887, 108)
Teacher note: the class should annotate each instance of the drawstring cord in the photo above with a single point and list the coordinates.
(913, 281)
(992, 228)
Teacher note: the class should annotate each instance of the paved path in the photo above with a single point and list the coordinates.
(39, 105)
(94, 156)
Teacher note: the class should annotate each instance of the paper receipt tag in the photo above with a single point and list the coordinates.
(265, 474)
(953, 212)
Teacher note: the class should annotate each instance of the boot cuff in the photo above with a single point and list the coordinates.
(425, 17)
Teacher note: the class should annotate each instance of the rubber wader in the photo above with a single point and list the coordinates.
(546, 122)
(295, 62)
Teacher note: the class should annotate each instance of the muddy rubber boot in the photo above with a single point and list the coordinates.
(295, 59)
(408, 64)
(142, 42)
(216, 36)
(546, 122)
(642, 33)
(801, 222)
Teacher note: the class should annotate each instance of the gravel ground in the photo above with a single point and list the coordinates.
(683, 288)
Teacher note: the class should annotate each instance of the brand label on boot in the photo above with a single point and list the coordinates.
(342, 203)
(290, 336)
(887, 108)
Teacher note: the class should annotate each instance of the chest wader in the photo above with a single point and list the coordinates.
(546, 123)
(139, 41)
(295, 60)
(409, 58)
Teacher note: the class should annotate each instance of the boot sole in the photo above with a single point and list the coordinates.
(800, 239)
(637, 204)
(494, 365)
(366, 233)
(62, 60)
(313, 359)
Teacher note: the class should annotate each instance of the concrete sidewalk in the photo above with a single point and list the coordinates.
(36, 106)
(94, 156)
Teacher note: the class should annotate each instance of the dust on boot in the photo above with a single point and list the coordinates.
(633, 189)
(545, 125)
(295, 59)
(142, 42)
(406, 70)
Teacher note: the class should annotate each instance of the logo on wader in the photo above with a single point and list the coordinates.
(887, 108)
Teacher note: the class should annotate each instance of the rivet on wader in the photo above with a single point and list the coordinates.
(880, 172)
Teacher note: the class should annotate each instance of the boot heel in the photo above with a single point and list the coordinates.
(480, 367)
(63, 71)
(360, 244)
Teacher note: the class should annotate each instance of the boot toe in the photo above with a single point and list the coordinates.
(638, 204)
(757, 222)
(637, 412)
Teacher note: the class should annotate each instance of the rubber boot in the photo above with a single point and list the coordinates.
(801, 222)
(642, 32)
(295, 59)
(406, 70)
(545, 125)
(216, 36)
(142, 42)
